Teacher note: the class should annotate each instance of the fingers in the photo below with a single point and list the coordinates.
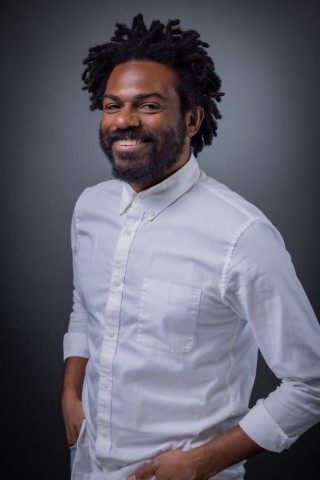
(73, 431)
(144, 473)
(72, 440)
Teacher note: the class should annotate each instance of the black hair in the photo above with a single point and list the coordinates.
(198, 83)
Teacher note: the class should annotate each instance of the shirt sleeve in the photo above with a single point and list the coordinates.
(75, 340)
(261, 285)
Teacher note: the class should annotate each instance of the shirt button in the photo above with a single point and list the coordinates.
(111, 333)
(116, 282)
(128, 232)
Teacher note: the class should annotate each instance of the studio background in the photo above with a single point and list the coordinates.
(267, 150)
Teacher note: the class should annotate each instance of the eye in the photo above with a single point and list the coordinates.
(150, 107)
(111, 107)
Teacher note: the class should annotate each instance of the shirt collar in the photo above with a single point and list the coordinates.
(155, 199)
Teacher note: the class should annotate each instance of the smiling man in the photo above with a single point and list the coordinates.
(178, 282)
(142, 130)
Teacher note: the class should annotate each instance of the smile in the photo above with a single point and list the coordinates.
(126, 143)
(129, 145)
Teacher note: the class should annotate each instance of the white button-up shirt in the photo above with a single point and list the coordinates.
(175, 289)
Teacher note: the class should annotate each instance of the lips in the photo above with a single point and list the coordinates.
(129, 137)
(128, 145)
(129, 142)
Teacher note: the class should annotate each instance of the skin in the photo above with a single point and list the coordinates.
(142, 94)
(74, 371)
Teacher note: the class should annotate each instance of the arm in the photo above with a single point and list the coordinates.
(74, 371)
(75, 353)
(201, 462)
(260, 285)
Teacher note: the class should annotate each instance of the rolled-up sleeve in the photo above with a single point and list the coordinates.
(75, 340)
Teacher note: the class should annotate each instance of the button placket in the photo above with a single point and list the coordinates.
(133, 219)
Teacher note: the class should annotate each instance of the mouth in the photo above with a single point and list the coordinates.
(128, 144)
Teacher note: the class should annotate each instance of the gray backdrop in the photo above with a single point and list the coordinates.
(267, 150)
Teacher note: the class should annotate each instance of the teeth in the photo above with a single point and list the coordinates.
(129, 142)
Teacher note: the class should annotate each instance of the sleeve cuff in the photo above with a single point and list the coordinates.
(262, 429)
(75, 345)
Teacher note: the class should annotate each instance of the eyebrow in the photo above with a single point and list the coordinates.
(140, 96)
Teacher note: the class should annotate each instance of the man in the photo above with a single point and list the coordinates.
(178, 282)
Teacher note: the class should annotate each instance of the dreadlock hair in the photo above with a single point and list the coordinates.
(183, 51)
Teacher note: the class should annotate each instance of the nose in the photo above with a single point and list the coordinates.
(125, 118)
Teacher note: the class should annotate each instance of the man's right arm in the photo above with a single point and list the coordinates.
(74, 371)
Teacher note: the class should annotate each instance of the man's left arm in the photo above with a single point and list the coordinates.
(201, 462)
(261, 285)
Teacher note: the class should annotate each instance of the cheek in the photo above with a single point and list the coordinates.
(105, 123)
(106, 131)
(159, 126)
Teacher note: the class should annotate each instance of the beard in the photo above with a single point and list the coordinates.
(156, 162)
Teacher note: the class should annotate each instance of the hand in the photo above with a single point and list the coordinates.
(170, 465)
(73, 418)
(73, 377)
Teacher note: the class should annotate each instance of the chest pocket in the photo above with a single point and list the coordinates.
(167, 315)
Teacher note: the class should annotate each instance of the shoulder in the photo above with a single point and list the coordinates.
(227, 201)
(97, 194)
(228, 214)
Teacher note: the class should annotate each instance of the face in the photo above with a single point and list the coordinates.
(142, 131)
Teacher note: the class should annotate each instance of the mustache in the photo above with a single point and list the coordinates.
(130, 133)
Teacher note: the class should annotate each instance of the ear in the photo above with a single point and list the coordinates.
(194, 120)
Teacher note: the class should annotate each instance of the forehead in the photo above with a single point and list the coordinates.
(140, 76)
